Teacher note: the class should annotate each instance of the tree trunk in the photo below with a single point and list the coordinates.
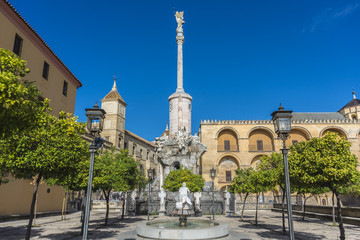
(341, 226)
(123, 206)
(304, 208)
(283, 210)
(107, 205)
(28, 231)
(242, 212)
(83, 212)
(66, 202)
(256, 212)
(333, 208)
(63, 207)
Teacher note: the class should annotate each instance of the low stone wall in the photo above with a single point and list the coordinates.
(139, 206)
(345, 211)
(101, 205)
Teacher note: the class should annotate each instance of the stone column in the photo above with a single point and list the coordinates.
(180, 42)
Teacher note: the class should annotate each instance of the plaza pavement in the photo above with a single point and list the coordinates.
(269, 227)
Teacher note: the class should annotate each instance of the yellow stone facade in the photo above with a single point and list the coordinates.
(240, 144)
(16, 196)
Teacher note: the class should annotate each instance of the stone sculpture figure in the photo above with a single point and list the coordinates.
(183, 139)
(183, 197)
(179, 16)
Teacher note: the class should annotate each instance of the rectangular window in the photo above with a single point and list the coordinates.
(45, 73)
(125, 145)
(226, 145)
(65, 88)
(107, 138)
(294, 142)
(228, 176)
(260, 145)
(18, 45)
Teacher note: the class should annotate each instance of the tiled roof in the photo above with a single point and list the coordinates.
(352, 103)
(114, 94)
(43, 42)
(139, 138)
(317, 116)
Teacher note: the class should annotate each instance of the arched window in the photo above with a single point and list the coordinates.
(260, 140)
(227, 168)
(227, 141)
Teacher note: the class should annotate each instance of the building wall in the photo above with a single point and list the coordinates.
(247, 133)
(16, 196)
(142, 152)
(35, 53)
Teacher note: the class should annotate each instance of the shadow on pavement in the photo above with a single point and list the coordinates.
(18, 232)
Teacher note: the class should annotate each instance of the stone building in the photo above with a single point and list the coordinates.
(233, 144)
(56, 82)
(114, 131)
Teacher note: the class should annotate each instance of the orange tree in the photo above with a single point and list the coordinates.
(325, 162)
(174, 180)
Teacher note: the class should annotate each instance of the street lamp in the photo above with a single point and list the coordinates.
(150, 178)
(95, 120)
(282, 125)
(212, 176)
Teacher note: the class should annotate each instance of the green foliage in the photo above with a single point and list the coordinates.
(274, 165)
(324, 162)
(174, 180)
(117, 171)
(251, 181)
(20, 101)
(241, 182)
(52, 150)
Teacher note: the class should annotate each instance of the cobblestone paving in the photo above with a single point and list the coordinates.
(269, 227)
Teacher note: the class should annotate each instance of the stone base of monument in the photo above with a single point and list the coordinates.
(162, 212)
(198, 213)
(229, 213)
(168, 228)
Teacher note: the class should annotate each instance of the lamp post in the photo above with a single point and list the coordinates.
(150, 178)
(212, 176)
(282, 125)
(95, 119)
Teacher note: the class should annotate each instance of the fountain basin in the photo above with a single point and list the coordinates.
(168, 228)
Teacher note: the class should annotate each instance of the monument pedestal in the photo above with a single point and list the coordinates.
(162, 212)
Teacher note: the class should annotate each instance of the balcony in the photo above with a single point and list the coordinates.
(263, 148)
(227, 148)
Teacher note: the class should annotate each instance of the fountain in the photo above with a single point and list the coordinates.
(184, 227)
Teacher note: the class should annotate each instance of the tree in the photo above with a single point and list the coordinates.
(21, 102)
(51, 150)
(241, 185)
(260, 181)
(114, 171)
(174, 180)
(306, 191)
(275, 165)
(326, 162)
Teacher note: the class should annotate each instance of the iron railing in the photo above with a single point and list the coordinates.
(263, 148)
(227, 148)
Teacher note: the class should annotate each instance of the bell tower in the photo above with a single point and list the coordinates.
(114, 123)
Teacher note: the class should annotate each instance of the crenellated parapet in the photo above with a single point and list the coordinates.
(305, 121)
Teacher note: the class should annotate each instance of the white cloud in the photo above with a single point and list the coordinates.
(329, 16)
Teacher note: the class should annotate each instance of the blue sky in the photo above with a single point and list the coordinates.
(241, 58)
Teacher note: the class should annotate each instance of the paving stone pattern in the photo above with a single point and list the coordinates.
(269, 227)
